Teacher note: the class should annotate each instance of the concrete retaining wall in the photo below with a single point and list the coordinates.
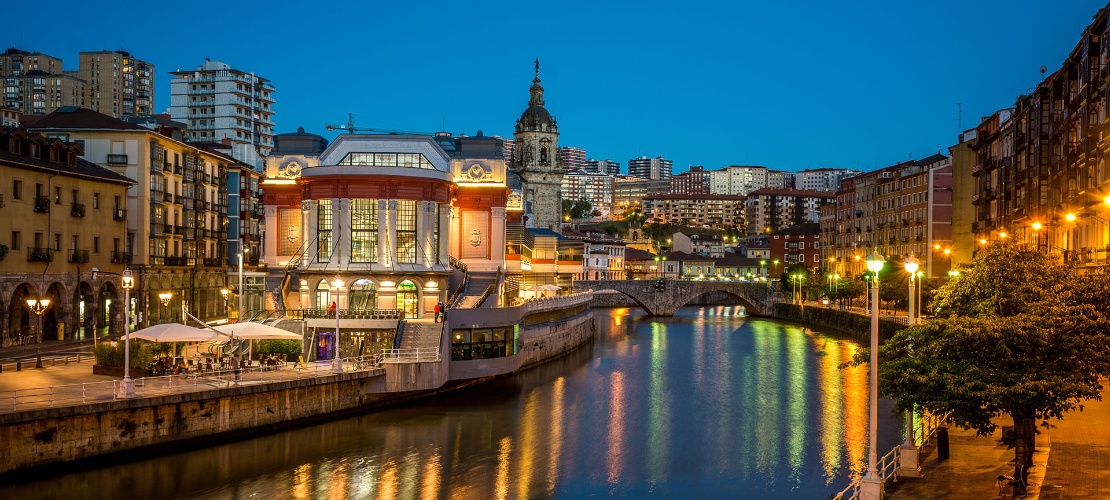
(622, 300)
(41, 437)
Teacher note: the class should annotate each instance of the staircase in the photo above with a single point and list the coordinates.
(477, 286)
(421, 335)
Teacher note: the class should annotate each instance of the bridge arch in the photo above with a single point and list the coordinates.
(664, 297)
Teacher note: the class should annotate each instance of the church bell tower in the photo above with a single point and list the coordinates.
(536, 160)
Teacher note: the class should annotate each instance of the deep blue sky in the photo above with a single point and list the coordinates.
(788, 85)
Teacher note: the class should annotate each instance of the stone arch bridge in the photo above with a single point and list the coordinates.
(664, 297)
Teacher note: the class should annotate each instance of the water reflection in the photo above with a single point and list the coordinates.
(705, 404)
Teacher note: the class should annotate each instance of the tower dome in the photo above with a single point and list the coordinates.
(536, 117)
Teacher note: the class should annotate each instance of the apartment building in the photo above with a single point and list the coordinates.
(695, 181)
(595, 188)
(629, 192)
(770, 209)
(116, 83)
(176, 214)
(63, 216)
(822, 179)
(219, 102)
(572, 158)
(716, 211)
(35, 83)
(657, 168)
(605, 166)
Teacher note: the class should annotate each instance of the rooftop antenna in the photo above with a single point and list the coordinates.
(1043, 69)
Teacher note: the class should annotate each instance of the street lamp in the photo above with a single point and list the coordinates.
(38, 307)
(911, 264)
(239, 296)
(224, 292)
(337, 365)
(871, 485)
(127, 389)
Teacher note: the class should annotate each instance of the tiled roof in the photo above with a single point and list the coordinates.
(72, 117)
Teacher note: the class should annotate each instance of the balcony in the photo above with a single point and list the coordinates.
(167, 229)
(121, 258)
(167, 166)
(213, 263)
(79, 256)
(42, 204)
(40, 255)
(919, 221)
(179, 230)
(175, 261)
(117, 160)
(976, 170)
(975, 199)
(905, 222)
(119, 214)
(77, 210)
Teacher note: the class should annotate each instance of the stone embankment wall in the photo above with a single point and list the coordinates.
(41, 437)
(546, 341)
(856, 326)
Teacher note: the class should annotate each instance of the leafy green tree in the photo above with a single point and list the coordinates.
(1018, 335)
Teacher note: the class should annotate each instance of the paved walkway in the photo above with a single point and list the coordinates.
(1072, 460)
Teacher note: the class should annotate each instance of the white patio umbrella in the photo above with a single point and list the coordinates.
(249, 330)
(174, 332)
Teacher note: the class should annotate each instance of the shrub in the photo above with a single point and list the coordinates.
(291, 348)
(111, 354)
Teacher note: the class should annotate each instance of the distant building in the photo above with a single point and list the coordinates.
(650, 168)
(573, 158)
(116, 83)
(822, 179)
(716, 211)
(768, 210)
(695, 181)
(36, 85)
(629, 192)
(799, 244)
(709, 245)
(605, 166)
(219, 102)
(594, 188)
(9, 117)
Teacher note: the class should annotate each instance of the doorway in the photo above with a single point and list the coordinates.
(407, 299)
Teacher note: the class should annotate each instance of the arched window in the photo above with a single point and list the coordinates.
(323, 294)
(364, 294)
(543, 154)
(408, 299)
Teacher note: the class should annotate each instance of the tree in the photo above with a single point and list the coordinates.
(1020, 335)
(576, 209)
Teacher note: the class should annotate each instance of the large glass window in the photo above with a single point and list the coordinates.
(323, 295)
(406, 231)
(323, 231)
(409, 160)
(363, 294)
(364, 230)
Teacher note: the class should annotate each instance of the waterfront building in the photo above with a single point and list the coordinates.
(35, 83)
(641, 264)
(116, 83)
(219, 102)
(176, 214)
(594, 188)
(658, 168)
(695, 181)
(708, 245)
(696, 210)
(572, 158)
(769, 209)
(63, 216)
(605, 166)
(629, 192)
(601, 256)
(534, 160)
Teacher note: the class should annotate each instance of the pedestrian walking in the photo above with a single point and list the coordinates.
(237, 367)
(439, 310)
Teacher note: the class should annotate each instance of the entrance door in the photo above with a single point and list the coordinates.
(407, 299)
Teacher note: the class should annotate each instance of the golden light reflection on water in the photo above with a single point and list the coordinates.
(659, 419)
(387, 480)
(854, 382)
(798, 355)
(556, 441)
(614, 453)
(504, 453)
(302, 475)
(433, 470)
(529, 442)
(832, 405)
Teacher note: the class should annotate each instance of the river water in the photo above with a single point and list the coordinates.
(704, 404)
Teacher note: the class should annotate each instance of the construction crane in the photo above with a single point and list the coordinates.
(351, 128)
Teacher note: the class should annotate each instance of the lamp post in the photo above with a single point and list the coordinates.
(909, 448)
(871, 485)
(224, 292)
(337, 364)
(239, 296)
(127, 388)
(1036, 240)
(911, 264)
(38, 307)
(165, 298)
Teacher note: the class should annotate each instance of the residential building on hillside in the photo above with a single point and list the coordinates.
(605, 166)
(10, 117)
(629, 192)
(709, 245)
(768, 210)
(176, 214)
(219, 102)
(35, 84)
(116, 83)
(701, 210)
(800, 244)
(657, 168)
(694, 181)
(602, 257)
(572, 158)
(63, 216)
(822, 179)
(594, 188)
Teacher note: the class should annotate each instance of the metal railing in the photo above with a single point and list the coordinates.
(412, 355)
(557, 302)
(889, 464)
(352, 313)
(195, 381)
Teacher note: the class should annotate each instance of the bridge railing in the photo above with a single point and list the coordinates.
(557, 302)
